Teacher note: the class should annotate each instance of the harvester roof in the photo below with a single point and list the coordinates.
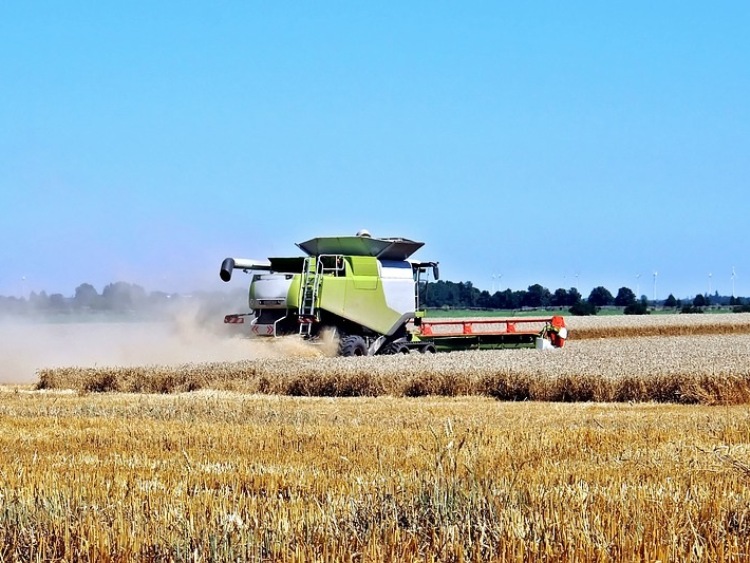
(385, 248)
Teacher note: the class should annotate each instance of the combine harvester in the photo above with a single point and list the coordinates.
(366, 291)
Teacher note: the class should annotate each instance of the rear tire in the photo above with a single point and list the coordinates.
(428, 349)
(403, 349)
(396, 348)
(352, 346)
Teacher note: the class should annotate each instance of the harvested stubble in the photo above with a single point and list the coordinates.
(212, 476)
(688, 369)
(624, 326)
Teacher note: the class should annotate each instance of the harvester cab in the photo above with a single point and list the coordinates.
(367, 291)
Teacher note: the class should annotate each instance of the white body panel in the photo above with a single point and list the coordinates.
(269, 291)
(249, 264)
(397, 278)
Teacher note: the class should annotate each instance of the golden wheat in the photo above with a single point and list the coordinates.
(619, 326)
(707, 369)
(216, 476)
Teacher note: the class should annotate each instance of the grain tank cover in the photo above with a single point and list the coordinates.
(384, 249)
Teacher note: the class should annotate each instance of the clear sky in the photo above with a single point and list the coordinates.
(561, 143)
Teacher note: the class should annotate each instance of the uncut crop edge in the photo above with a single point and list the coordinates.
(504, 384)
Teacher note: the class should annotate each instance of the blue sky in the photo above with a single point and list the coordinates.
(576, 143)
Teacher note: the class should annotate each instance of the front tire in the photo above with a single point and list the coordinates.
(352, 346)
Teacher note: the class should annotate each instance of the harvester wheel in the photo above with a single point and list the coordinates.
(352, 346)
(428, 349)
(396, 348)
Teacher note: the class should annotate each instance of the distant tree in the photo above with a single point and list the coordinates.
(583, 308)
(436, 294)
(58, 303)
(123, 297)
(559, 298)
(699, 301)
(600, 297)
(637, 308)
(690, 309)
(484, 300)
(670, 301)
(507, 299)
(498, 300)
(13, 305)
(38, 302)
(625, 297)
(536, 296)
(574, 297)
(467, 295)
(86, 297)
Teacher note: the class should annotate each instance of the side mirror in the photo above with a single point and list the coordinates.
(435, 271)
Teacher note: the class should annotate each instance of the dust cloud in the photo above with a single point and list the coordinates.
(184, 336)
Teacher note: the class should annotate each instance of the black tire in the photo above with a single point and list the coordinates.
(395, 348)
(428, 349)
(402, 349)
(352, 346)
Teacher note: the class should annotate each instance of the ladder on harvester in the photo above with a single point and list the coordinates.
(308, 295)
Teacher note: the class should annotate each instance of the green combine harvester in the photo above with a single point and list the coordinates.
(366, 291)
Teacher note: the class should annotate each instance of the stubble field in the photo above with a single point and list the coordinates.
(612, 449)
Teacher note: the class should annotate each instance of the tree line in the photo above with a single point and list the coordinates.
(119, 297)
(463, 295)
(128, 298)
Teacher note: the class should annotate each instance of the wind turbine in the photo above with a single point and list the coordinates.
(497, 277)
(638, 286)
(709, 283)
(655, 274)
(734, 275)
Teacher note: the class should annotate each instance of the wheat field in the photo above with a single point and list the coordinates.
(219, 476)
(610, 449)
(678, 358)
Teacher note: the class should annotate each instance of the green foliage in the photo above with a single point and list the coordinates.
(691, 310)
(600, 297)
(583, 309)
(536, 296)
(637, 308)
(625, 297)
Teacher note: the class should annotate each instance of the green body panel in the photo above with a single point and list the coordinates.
(348, 299)
(292, 298)
(357, 296)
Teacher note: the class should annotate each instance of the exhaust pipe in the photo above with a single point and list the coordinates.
(229, 265)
